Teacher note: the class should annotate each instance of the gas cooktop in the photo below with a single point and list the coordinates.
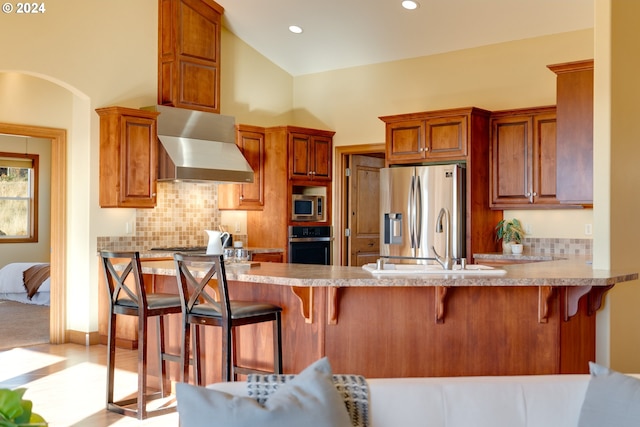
(181, 249)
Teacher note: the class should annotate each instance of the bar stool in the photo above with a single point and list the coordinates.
(131, 299)
(200, 308)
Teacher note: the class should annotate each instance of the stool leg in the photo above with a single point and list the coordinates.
(226, 351)
(142, 367)
(162, 363)
(197, 365)
(111, 357)
(277, 345)
(184, 352)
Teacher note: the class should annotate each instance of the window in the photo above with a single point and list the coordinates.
(18, 197)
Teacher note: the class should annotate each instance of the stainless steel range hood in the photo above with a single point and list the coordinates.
(198, 146)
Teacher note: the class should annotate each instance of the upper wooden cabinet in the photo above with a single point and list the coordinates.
(250, 196)
(128, 157)
(523, 158)
(428, 136)
(310, 154)
(575, 132)
(189, 54)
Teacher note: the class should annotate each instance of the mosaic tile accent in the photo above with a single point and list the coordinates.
(558, 246)
(182, 213)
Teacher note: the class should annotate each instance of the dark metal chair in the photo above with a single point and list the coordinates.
(128, 296)
(200, 308)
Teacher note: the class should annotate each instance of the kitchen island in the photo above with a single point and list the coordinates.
(536, 318)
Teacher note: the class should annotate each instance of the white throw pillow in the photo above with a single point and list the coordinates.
(612, 399)
(309, 399)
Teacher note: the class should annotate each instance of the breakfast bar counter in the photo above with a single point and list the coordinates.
(533, 318)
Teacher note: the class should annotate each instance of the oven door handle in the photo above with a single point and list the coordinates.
(309, 239)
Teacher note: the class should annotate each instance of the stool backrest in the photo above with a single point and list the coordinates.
(119, 281)
(194, 272)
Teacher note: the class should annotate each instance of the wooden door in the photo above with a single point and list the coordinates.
(364, 209)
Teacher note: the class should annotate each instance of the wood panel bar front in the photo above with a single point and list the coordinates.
(533, 319)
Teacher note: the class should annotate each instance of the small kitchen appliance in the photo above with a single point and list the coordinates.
(306, 207)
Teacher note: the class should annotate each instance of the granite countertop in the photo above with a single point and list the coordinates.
(523, 257)
(573, 271)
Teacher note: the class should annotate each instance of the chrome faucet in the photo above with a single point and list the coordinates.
(447, 261)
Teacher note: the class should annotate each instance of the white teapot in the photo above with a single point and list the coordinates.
(216, 242)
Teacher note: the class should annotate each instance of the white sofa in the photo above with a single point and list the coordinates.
(504, 401)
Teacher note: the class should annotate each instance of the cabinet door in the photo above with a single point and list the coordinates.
(511, 153)
(300, 164)
(575, 132)
(544, 159)
(406, 140)
(139, 151)
(128, 157)
(321, 155)
(248, 196)
(447, 138)
(189, 54)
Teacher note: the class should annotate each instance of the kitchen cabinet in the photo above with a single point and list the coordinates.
(575, 132)
(268, 227)
(310, 154)
(430, 136)
(523, 158)
(128, 157)
(267, 257)
(249, 196)
(457, 135)
(189, 54)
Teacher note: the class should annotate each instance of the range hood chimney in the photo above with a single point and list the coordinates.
(198, 146)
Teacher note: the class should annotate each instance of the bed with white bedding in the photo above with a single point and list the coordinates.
(25, 282)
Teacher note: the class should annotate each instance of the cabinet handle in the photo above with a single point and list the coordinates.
(531, 195)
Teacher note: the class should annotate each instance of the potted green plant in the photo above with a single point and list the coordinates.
(510, 232)
(16, 411)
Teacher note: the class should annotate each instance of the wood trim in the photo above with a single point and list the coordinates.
(339, 203)
(58, 219)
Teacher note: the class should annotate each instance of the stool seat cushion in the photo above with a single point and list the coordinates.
(239, 309)
(153, 301)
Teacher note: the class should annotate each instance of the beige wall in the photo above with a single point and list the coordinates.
(496, 77)
(621, 190)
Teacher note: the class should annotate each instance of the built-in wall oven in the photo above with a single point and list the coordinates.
(310, 245)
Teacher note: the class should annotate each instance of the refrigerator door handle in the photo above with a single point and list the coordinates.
(412, 214)
(418, 210)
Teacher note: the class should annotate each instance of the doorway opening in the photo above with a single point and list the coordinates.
(357, 230)
(58, 138)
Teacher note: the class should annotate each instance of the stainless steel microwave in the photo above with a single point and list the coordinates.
(306, 207)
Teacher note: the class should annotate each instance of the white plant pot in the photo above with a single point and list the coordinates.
(516, 248)
(506, 247)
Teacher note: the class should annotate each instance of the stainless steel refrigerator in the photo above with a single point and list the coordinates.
(421, 207)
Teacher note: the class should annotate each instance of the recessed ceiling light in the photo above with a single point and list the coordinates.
(409, 4)
(295, 29)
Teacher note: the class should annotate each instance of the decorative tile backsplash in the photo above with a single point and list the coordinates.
(559, 246)
(185, 209)
(182, 213)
